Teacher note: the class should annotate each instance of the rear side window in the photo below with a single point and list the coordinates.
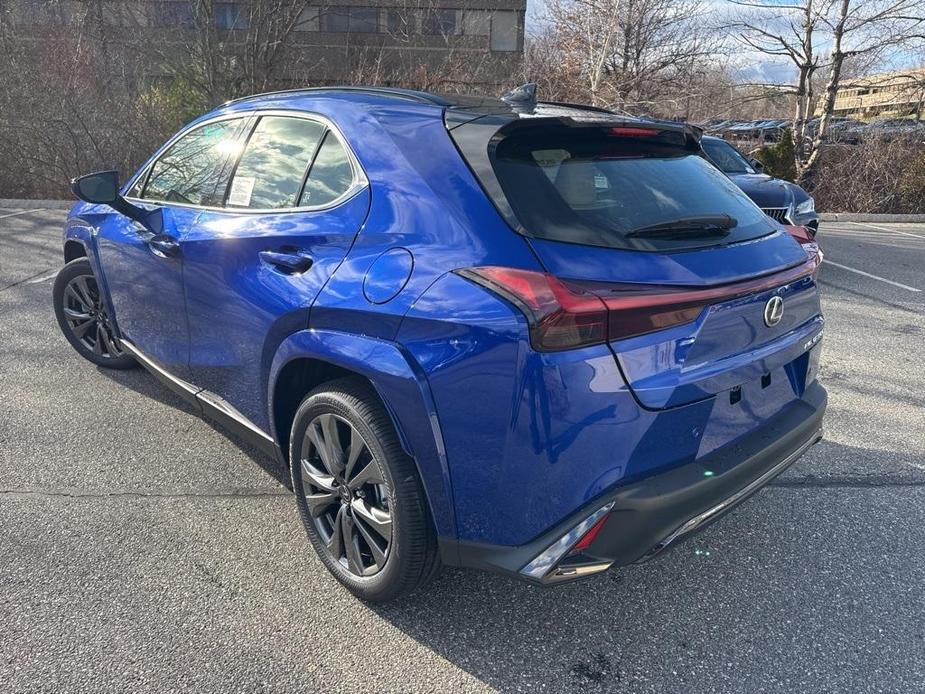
(726, 157)
(330, 176)
(600, 186)
(272, 168)
(190, 171)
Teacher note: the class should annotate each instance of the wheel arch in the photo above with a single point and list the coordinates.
(309, 358)
(74, 250)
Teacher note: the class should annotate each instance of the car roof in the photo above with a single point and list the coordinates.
(458, 108)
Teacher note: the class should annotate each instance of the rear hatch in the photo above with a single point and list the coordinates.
(687, 265)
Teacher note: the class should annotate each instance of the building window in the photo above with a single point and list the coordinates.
(438, 22)
(399, 22)
(352, 19)
(230, 15)
(504, 31)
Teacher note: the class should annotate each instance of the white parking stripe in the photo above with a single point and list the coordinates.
(873, 277)
(42, 278)
(892, 231)
(13, 214)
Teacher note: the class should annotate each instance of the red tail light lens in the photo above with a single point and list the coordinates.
(565, 314)
(630, 131)
(559, 317)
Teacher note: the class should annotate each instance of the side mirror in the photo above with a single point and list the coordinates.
(101, 188)
(756, 165)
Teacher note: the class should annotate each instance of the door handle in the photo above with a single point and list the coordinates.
(288, 262)
(164, 246)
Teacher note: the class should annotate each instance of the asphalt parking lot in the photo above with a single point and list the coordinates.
(144, 551)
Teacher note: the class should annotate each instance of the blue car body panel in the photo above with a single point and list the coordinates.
(719, 265)
(508, 441)
(241, 308)
(146, 290)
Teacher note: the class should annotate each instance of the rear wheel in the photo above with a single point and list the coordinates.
(84, 318)
(359, 494)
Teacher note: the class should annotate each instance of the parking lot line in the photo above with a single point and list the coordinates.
(873, 277)
(13, 214)
(892, 231)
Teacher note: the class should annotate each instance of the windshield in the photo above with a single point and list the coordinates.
(726, 157)
(590, 186)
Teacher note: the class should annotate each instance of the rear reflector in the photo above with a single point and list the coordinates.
(543, 565)
(589, 536)
(565, 314)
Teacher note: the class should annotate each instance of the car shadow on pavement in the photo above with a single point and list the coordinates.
(141, 382)
(770, 588)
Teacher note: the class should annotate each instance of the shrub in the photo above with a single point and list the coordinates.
(877, 176)
(778, 159)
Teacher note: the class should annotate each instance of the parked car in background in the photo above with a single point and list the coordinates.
(891, 129)
(781, 200)
(531, 338)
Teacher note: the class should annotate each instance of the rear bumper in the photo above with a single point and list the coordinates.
(651, 514)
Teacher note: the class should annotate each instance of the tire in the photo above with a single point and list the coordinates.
(84, 319)
(340, 499)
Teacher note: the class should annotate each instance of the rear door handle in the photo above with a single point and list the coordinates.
(290, 262)
(164, 245)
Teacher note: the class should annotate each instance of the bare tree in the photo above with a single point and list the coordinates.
(822, 35)
(630, 54)
(225, 49)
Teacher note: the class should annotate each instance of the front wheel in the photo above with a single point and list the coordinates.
(84, 319)
(359, 494)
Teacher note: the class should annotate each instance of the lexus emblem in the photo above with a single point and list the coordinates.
(773, 311)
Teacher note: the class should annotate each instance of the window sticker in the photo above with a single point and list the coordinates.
(241, 189)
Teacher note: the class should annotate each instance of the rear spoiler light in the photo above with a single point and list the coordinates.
(565, 314)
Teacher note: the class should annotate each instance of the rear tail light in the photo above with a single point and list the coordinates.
(559, 317)
(566, 314)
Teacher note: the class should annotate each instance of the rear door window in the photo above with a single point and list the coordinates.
(331, 174)
(191, 170)
(271, 171)
(601, 186)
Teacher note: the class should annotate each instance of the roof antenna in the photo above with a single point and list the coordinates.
(522, 97)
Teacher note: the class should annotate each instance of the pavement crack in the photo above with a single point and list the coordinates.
(221, 493)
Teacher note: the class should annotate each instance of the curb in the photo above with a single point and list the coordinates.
(864, 217)
(19, 204)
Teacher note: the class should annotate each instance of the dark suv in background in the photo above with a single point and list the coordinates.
(781, 200)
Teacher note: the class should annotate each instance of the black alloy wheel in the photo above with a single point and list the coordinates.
(359, 494)
(84, 318)
(346, 495)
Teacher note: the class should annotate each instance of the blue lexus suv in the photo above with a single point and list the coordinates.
(532, 338)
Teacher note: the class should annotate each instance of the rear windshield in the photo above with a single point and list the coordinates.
(599, 186)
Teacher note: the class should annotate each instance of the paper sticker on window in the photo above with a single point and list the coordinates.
(241, 189)
(600, 181)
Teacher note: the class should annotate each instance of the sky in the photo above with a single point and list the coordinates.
(747, 65)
